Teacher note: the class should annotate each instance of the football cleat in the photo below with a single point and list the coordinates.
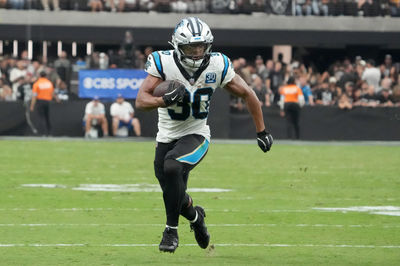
(169, 242)
(199, 227)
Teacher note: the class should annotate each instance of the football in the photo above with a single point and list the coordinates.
(162, 88)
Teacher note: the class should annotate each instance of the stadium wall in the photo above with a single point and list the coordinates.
(317, 123)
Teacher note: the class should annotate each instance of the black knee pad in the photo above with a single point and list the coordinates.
(173, 169)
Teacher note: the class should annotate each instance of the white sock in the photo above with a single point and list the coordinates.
(195, 218)
(172, 227)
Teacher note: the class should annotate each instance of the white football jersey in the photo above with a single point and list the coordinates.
(190, 115)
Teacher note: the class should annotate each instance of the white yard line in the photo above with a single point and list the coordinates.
(215, 245)
(210, 225)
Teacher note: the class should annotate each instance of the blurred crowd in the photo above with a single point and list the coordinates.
(280, 7)
(17, 74)
(346, 84)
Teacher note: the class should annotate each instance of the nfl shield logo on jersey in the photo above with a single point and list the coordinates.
(211, 77)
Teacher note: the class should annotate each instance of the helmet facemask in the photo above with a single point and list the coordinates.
(193, 54)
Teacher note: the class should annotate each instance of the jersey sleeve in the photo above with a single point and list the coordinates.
(227, 73)
(154, 65)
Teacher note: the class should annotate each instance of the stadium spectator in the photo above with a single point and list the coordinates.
(128, 50)
(197, 6)
(18, 78)
(320, 7)
(95, 115)
(220, 6)
(372, 75)
(5, 91)
(103, 61)
(261, 91)
(55, 5)
(3, 3)
(291, 101)
(385, 98)
(369, 8)
(53, 76)
(356, 97)
(275, 80)
(42, 94)
(122, 114)
(96, 5)
(349, 88)
(396, 95)
(162, 6)
(303, 8)
(63, 67)
(16, 4)
(345, 102)
(370, 99)
(387, 68)
(394, 6)
(179, 6)
(349, 75)
(305, 88)
(261, 69)
(323, 95)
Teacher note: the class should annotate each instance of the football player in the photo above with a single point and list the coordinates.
(183, 134)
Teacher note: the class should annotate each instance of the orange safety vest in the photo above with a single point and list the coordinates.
(291, 93)
(43, 89)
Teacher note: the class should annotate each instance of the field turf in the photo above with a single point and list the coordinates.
(272, 215)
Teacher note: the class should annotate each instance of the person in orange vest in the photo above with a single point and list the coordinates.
(292, 99)
(42, 94)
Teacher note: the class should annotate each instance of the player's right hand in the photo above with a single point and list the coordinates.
(175, 93)
(264, 140)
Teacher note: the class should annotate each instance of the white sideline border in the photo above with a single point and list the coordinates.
(9, 245)
(219, 141)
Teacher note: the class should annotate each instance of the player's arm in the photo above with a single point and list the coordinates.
(238, 87)
(145, 99)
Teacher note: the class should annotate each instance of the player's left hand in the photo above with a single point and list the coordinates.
(176, 92)
(264, 140)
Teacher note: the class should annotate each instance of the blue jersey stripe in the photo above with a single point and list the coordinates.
(157, 61)
(196, 155)
(226, 65)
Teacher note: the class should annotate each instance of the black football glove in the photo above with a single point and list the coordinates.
(264, 140)
(175, 93)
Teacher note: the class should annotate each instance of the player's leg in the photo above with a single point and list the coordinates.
(88, 124)
(115, 125)
(169, 240)
(190, 150)
(136, 127)
(104, 125)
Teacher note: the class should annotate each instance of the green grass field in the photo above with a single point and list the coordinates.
(271, 216)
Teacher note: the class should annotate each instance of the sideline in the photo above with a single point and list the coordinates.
(218, 141)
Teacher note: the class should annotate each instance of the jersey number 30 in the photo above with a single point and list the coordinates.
(195, 106)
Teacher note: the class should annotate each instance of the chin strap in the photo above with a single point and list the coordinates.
(192, 78)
